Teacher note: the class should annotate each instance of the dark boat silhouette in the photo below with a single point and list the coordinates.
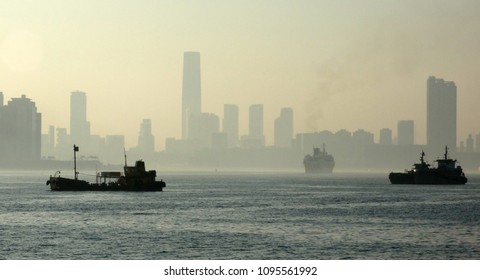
(446, 173)
(135, 179)
(319, 162)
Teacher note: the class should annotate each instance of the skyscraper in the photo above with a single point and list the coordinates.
(204, 125)
(405, 133)
(21, 126)
(255, 125)
(441, 115)
(283, 129)
(230, 124)
(191, 90)
(79, 127)
(146, 140)
(385, 136)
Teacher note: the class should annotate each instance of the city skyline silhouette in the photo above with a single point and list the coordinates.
(344, 65)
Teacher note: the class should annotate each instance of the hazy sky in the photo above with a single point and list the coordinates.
(338, 64)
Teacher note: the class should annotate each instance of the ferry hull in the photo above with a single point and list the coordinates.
(318, 168)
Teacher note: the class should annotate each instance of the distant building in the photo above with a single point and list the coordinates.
(174, 146)
(63, 147)
(255, 127)
(48, 143)
(441, 114)
(191, 90)
(405, 132)
(362, 137)
(230, 124)
(146, 140)
(219, 140)
(203, 126)
(385, 136)
(79, 126)
(21, 125)
(283, 129)
(113, 153)
(477, 143)
(470, 146)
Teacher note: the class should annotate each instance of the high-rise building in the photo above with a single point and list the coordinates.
(441, 115)
(477, 143)
(79, 126)
(112, 152)
(146, 140)
(230, 124)
(48, 143)
(385, 136)
(191, 90)
(406, 134)
(204, 126)
(21, 126)
(63, 149)
(255, 125)
(283, 129)
(362, 137)
(470, 146)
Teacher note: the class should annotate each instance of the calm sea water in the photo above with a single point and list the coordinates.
(242, 216)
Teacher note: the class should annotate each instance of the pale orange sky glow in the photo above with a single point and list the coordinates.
(339, 64)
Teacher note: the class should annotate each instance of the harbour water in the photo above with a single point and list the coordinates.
(242, 216)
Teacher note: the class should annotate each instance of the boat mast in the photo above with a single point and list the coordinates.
(125, 155)
(75, 150)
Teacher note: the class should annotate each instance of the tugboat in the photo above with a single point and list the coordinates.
(319, 162)
(446, 173)
(135, 179)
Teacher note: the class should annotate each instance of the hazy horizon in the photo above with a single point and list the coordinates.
(339, 64)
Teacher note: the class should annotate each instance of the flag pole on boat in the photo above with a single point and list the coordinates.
(75, 150)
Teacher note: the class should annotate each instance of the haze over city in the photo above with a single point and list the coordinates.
(339, 64)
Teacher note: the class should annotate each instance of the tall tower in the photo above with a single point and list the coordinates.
(441, 115)
(79, 127)
(230, 124)
(255, 125)
(191, 90)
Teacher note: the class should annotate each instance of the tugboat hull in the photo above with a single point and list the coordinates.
(401, 178)
(66, 184)
(425, 179)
